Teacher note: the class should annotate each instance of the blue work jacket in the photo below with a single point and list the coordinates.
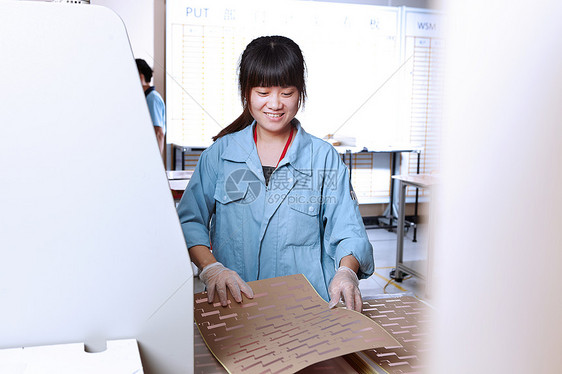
(304, 221)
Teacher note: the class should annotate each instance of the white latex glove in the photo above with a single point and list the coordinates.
(218, 278)
(346, 284)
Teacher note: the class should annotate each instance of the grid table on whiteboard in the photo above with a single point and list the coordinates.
(423, 42)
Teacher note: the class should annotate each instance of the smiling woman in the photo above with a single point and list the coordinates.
(272, 199)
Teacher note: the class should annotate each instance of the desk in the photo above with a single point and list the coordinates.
(418, 181)
(393, 150)
(178, 180)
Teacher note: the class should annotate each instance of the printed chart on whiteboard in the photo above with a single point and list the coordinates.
(350, 50)
(423, 42)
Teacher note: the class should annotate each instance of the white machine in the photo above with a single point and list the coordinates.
(91, 249)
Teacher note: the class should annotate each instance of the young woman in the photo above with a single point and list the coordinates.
(271, 199)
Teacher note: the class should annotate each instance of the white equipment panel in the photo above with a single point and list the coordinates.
(91, 248)
(120, 357)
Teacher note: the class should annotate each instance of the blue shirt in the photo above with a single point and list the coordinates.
(156, 108)
(304, 221)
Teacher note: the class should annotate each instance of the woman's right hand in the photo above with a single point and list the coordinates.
(218, 278)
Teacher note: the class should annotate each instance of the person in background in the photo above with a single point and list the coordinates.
(271, 199)
(154, 101)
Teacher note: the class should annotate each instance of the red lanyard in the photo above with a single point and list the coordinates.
(284, 149)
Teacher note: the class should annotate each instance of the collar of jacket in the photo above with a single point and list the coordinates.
(299, 155)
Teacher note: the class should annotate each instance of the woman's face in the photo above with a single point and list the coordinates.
(273, 108)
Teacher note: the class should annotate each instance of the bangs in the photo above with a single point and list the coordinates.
(274, 71)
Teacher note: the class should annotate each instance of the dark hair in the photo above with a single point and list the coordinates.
(267, 61)
(144, 69)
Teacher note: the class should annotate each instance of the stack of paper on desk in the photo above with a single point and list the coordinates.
(286, 327)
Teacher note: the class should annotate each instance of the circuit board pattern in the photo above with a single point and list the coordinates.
(286, 327)
(206, 363)
(407, 319)
(203, 361)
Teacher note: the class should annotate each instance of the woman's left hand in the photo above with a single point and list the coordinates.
(346, 284)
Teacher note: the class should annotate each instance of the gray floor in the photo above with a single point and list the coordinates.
(384, 250)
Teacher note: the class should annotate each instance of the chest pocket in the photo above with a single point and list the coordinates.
(303, 223)
(225, 197)
(229, 210)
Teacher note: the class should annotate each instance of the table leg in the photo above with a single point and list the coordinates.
(400, 231)
(416, 204)
(392, 173)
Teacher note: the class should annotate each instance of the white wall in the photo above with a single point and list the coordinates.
(138, 16)
(498, 242)
(145, 21)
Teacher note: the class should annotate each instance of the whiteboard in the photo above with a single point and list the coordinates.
(350, 50)
(91, 248)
